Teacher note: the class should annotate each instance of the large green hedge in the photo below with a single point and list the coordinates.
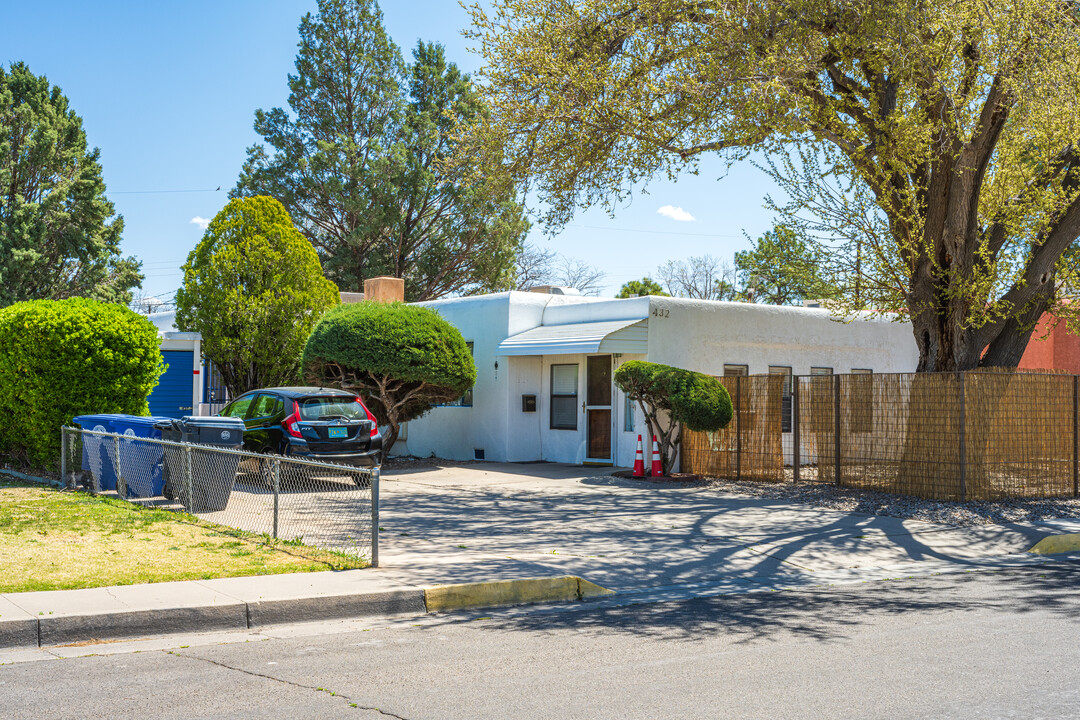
(62, 358)
(401, 358)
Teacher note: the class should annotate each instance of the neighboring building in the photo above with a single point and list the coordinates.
(1052, 348)
(544, 388)
(180, 390)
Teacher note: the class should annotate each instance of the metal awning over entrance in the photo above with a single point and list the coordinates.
(612, 336)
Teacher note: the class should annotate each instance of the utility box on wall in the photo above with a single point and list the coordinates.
(528, 403)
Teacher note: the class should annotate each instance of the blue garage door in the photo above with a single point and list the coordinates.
(172, 396)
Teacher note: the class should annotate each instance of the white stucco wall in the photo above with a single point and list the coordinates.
(704, 336)
(697, 335)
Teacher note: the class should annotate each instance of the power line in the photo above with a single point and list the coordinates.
(159, 192)
(653, 232)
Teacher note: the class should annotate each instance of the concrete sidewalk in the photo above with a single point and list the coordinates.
(493, 522)
(59, 617)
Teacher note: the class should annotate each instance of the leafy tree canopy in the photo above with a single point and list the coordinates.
(672, 398)
(368, 165)
(640, 288)
(59, 235)
(254, 288)
(401, 359)
(782, 269)
(961, 120)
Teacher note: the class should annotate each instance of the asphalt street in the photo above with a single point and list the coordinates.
(983, 644)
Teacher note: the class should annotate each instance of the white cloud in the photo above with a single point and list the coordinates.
(676, 213)
(201, 222)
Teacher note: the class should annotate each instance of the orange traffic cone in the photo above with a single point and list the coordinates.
(639, 460)
(657, 470)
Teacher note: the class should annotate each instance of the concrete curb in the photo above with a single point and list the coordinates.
(1054, 544)
(20, 629)
(74, 616)
(565, 588)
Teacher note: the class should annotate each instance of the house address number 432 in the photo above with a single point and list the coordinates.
(661, 313)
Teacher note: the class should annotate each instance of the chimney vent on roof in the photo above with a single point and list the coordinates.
(384, 289)
(554, 290)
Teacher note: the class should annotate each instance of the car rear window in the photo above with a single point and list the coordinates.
(331, 408)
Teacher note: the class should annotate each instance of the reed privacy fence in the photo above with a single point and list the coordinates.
(978, 435)
(333, 507)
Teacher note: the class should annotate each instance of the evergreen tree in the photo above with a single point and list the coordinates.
(369, 165)
(59, 234)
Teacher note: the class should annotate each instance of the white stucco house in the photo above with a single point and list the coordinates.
(544, 388)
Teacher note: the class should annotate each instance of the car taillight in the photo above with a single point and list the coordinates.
(289, 423)
(374, 424)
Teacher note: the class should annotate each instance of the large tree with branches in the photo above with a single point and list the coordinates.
(363, 160)
(962, 120)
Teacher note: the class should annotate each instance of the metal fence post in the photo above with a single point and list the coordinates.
(836, 429)
(121, 484)
(795, 440)
(963, 438)
(738, 427)
(64, 479)
(188, 501)
(275, 477)
(1076, 435)
(376, 473)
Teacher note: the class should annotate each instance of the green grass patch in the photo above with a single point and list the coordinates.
(59, 540)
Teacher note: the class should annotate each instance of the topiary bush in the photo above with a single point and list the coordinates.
(401, 359)
(672, 398)
(62, 358)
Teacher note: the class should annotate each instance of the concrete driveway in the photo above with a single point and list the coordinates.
(502, 521)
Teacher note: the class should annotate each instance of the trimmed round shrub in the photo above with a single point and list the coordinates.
(401, 359)
(688, 399)
(62, 358)
(697, 401)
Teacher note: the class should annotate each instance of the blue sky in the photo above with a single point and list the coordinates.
(167, 91)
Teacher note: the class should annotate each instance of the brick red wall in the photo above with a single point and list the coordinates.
(1060, 350)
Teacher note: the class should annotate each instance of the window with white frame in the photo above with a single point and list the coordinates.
(564, 397)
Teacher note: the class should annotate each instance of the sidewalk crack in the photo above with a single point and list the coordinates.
(315, 688)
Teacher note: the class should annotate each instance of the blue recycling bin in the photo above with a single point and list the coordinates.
(140, 462)
(99, 453)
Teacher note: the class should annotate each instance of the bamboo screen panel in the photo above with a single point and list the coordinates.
(980, 435)
(751, 446)
(1019, 435)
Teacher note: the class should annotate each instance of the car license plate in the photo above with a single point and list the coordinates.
(339, 432)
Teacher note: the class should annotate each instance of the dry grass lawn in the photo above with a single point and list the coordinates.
(54, 540)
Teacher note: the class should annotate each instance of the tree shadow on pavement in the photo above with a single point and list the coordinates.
(825, 614)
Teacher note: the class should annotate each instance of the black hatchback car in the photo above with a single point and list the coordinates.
(308, 422)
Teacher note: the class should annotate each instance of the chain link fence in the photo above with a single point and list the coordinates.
(977, 435)
(324, 505)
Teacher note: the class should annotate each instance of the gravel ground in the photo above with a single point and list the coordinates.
(903, 506)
